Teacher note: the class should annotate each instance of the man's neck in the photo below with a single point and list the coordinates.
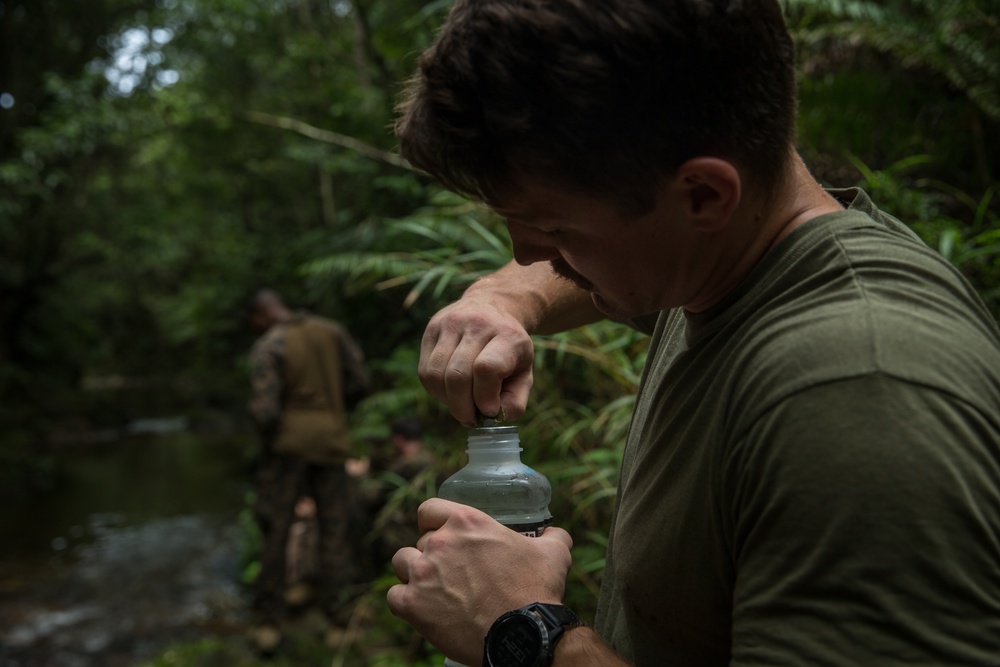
(802, 200)
(757, 226)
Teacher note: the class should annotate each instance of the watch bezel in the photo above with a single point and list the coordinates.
(539, 616)
(504, 625)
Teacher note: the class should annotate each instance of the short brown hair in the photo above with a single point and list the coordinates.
(604, 97)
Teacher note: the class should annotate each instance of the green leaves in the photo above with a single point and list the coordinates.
(956, 39)
(435, 252)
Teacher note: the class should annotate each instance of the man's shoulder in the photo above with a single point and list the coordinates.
(862, 296)
(921, 340)
(320, 322)
(856, 201)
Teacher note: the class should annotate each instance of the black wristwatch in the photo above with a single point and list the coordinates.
(527, 637)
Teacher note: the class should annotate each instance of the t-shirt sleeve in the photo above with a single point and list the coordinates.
(865, 524)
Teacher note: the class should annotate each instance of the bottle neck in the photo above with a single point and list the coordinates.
(494, 445)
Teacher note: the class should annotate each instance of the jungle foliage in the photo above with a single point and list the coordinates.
(161, 159)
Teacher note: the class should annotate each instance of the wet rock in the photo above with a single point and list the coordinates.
(129, 594)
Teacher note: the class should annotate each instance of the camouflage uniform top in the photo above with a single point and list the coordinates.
(267, 372)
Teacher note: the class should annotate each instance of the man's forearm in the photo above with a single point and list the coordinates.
(542, 301)
(582, 647)
(266, 386)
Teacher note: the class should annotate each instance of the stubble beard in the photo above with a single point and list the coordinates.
(562, 269)
(567, 273)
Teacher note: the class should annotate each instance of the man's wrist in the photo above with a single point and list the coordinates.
(582, 647)
(511, 297)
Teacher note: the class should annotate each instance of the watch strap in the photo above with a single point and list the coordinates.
(555, 616)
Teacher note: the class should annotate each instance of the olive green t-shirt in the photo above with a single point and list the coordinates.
(812, 475)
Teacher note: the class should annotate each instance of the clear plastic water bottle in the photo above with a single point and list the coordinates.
(498, 483)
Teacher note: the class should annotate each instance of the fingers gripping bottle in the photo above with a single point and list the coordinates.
(498, 483)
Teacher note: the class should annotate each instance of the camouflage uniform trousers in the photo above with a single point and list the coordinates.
(280, 482)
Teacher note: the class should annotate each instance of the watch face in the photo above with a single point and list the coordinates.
(517, 643)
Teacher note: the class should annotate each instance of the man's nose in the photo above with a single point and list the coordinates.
(531, 245)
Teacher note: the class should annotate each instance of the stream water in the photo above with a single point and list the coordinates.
(134, 547)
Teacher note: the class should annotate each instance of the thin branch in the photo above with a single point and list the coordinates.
(329, 137)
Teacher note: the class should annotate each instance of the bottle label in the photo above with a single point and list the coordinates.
(530, 529)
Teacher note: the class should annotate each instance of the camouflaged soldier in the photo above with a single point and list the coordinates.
(306, 371)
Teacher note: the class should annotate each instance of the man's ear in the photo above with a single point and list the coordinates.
(711, 190)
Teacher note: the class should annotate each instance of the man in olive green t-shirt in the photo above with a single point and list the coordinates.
(811, 476)
(830, 482)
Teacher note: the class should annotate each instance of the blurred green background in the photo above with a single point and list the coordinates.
(161, 159)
